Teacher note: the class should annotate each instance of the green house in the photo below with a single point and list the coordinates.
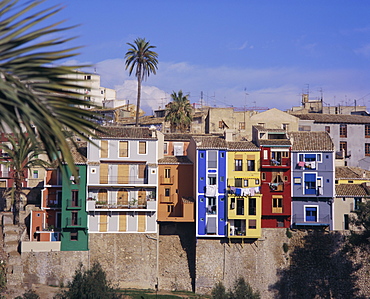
(74, 234)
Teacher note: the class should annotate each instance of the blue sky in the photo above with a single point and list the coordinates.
(241, 53)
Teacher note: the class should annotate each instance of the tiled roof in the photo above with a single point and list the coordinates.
(242, 145)
(284, 142)
(210, 142)
(177, 137)
(334, 118)
(175, 160)
(354, 173)
(126, 132)
(350, 190)
(263, 129)
(311, 141)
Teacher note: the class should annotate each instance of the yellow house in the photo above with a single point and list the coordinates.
(244, 200)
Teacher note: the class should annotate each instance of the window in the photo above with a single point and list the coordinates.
(297, 181)
(211, 205)
(285, 127)
(74, 218)
(74, 235)
(238, 165)
(343, 147)
(142, 147)
(257, 181)
(304, 128)
(252, 224)
(212, 179)
(201, 155)
(367, 149)
(167, 192)
(263, 176)
(358, 200)
(252, 206)
(123, 148)
(245, 182)
(104, 149)
(343, 130)
(220, 124)
(285, 154)
(165, 148)
(367, 131)
(311, 214)
(327, 129)
(240, 206)
(310, 183)
(242, 125)
(212, 159)
(167, 173)
(277, 204)
(35, 174)
(74, 201)
(238, 182)
(251, 165)
(346, 222)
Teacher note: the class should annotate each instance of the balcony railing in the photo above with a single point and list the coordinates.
(74, 204)
(53, 203)
(166, 181)
(74, 222)
(276, 163)
(123, 180)
(300, 219)
(133, 204)
(276, 186)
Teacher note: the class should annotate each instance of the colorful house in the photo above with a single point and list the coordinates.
(275, 176)
(244, 199)
(208, 154)
(312, 179)
(61, 222)
(352, 187)
(175, 189)
(122, 180)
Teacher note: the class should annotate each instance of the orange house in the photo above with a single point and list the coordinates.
(175, 189)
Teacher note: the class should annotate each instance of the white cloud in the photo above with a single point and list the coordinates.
(224, 86)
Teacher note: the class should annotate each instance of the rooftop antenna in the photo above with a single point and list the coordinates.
(246, 94)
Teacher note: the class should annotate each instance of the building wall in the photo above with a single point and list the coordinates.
(251, 219)
(211, 216)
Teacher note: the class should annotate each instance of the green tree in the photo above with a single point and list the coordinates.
(179, 112)
(143, 60)
(88, 284)
(241, 290)
(36, 91)
(360, 239)
(20, 154)
(30, 294)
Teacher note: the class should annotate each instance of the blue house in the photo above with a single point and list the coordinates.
(313, 179)
(209, 156)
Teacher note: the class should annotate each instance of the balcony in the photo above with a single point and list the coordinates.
(167, 199)
(302, 220)
(149, 204)
(272, 163)
(166, 181)
(73, 204)
(277, 187)
(73, 222)
(123, 180)
(53, 203)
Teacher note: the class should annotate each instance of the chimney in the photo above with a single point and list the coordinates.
(228, 135)
(153, 130)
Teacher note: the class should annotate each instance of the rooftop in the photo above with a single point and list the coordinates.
(334, 118)
(311, 141)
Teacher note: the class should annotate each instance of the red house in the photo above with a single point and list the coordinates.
(275, 176)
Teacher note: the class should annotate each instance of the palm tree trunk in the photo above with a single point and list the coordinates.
(17, 200)
(138, 100)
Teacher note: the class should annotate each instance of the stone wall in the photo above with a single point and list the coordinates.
(51, 268)
(313, 262)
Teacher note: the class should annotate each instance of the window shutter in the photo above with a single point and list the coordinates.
(104, 149)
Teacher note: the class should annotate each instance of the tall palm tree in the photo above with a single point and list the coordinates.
(36, 92)
(179, 112)
(20, 155)
(143, 60)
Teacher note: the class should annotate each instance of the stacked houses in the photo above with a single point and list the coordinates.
(133, 180)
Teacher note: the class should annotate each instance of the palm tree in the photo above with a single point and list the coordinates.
(20, 155)
(143, 60)
(36, 92)
(179, 112)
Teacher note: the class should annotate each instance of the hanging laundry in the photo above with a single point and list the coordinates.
(238, 191)
(211, 190)
(301, 164)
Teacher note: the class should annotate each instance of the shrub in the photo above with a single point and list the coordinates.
(241, 290)
(288, 233)
(30, 294)
(285, 247)
(90, 283)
